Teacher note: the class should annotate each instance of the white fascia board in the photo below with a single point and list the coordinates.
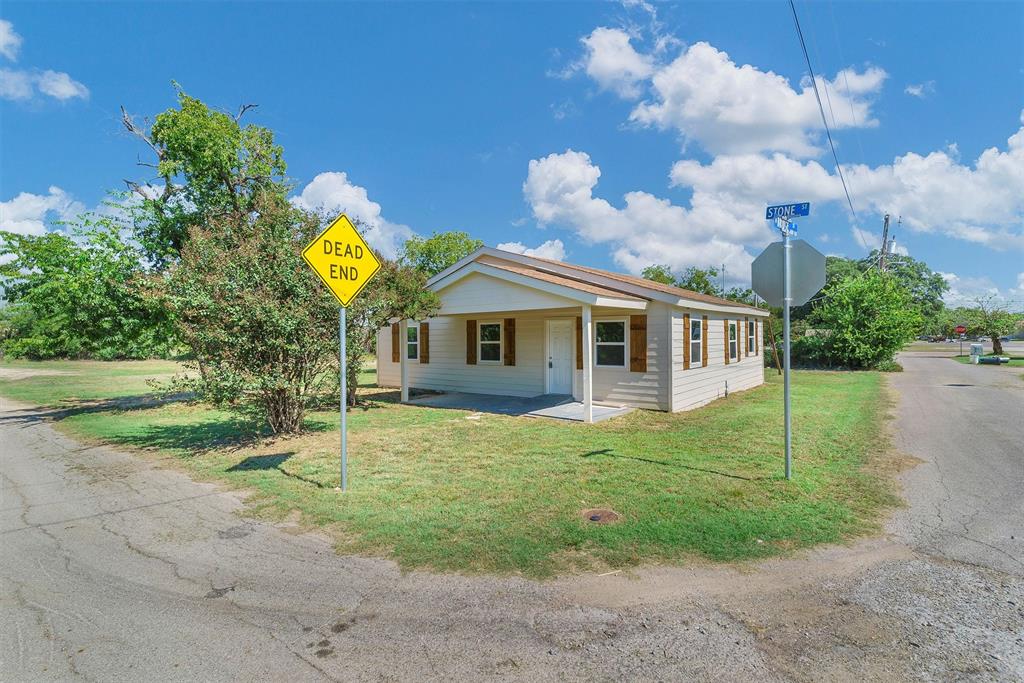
(720, 308)
(620, 303)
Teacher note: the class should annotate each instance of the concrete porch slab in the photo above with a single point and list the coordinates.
(553, 406)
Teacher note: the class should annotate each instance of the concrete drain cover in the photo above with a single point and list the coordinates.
(601, 515)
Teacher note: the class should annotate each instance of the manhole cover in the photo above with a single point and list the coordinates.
(600, 516)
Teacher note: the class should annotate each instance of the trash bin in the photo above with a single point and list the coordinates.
(976, 351)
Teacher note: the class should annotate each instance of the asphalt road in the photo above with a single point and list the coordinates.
(112, 568)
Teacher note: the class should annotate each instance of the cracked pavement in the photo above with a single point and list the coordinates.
(112, 568)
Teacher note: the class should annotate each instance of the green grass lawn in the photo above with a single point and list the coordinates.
(431, 488)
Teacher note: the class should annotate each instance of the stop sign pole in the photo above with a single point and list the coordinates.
(787, 301)
(787, 274)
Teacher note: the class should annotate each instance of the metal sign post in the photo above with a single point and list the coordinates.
(345, 263)
(342, 391)
(787, 274)
(787, 301)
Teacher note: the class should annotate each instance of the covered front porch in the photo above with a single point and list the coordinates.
(552, 406)
(526, 343)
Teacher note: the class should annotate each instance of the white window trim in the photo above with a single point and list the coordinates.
(624, 343)
(751, 334)
(416, 328)
(730, 342)
(480, 342)
(699, 340)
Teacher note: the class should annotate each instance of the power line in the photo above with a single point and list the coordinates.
(824, 121)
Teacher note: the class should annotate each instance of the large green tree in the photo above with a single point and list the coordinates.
(431, 255)
(990, 319)
(206, 166)
(76, 293)
(263, 328)
(862, 321)
(924, 286)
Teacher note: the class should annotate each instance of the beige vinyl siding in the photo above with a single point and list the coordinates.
(476, 293)
(448, 371)
(699, 386)
(637, 389)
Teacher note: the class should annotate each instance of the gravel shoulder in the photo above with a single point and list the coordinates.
(117, 569)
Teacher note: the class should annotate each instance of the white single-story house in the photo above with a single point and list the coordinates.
(515, 325)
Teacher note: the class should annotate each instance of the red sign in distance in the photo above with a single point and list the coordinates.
(960, 329)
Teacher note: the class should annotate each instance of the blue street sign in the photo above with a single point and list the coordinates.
(788, 210)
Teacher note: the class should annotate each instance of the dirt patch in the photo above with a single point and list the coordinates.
(601, 516)
(13, 374)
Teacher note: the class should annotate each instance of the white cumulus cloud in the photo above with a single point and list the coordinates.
(724, 107)
(920, 90)
(61, 86)
(10, 41)
(23, 84)
(15, 85)
(646, 230)
(332, 192)
(551, 249)
(613, 63)
(733, 109)
(981, 202)
(27, 213)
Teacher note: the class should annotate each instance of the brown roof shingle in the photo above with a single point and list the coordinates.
(650, 284)
(554, 278)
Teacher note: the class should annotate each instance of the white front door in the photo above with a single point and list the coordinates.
(560, 343)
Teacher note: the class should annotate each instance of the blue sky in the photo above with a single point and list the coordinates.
(613, 135)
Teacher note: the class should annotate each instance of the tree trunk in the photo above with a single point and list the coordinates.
(997, 345)
(285, 411)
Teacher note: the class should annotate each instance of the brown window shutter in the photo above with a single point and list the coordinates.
(686, 341)
(757, 337)
(638, 343)
(726, 322)
(510, 341)
(470, 342)
(746, 336)
(704, 342)
(424, 343)
(396, 344)
(579, 343)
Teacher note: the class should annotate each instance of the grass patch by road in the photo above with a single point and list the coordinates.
(431, 488)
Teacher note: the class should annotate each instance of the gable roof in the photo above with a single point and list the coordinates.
(651, 284)
(593, 281)
(559, 280)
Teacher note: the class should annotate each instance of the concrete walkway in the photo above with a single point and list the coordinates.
(555, 406)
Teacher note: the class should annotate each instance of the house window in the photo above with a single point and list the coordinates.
(610, 344)
(696, 330)
(412, 342)
(751, 331)
(733, 342)
(490, 342)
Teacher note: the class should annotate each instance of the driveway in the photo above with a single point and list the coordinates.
(114, 569)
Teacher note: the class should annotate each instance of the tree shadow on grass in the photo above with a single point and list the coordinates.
(608, 452)
(273, 461)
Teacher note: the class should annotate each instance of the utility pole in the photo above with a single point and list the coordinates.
(723, 279)
(885, 244)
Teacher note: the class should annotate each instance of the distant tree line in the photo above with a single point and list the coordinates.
(862, 316)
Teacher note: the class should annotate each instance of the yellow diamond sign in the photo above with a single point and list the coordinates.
(342, 259)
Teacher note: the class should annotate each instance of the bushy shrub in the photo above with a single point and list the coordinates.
(862, 322)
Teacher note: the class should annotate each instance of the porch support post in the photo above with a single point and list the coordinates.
(403, 357)
(588, 365)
